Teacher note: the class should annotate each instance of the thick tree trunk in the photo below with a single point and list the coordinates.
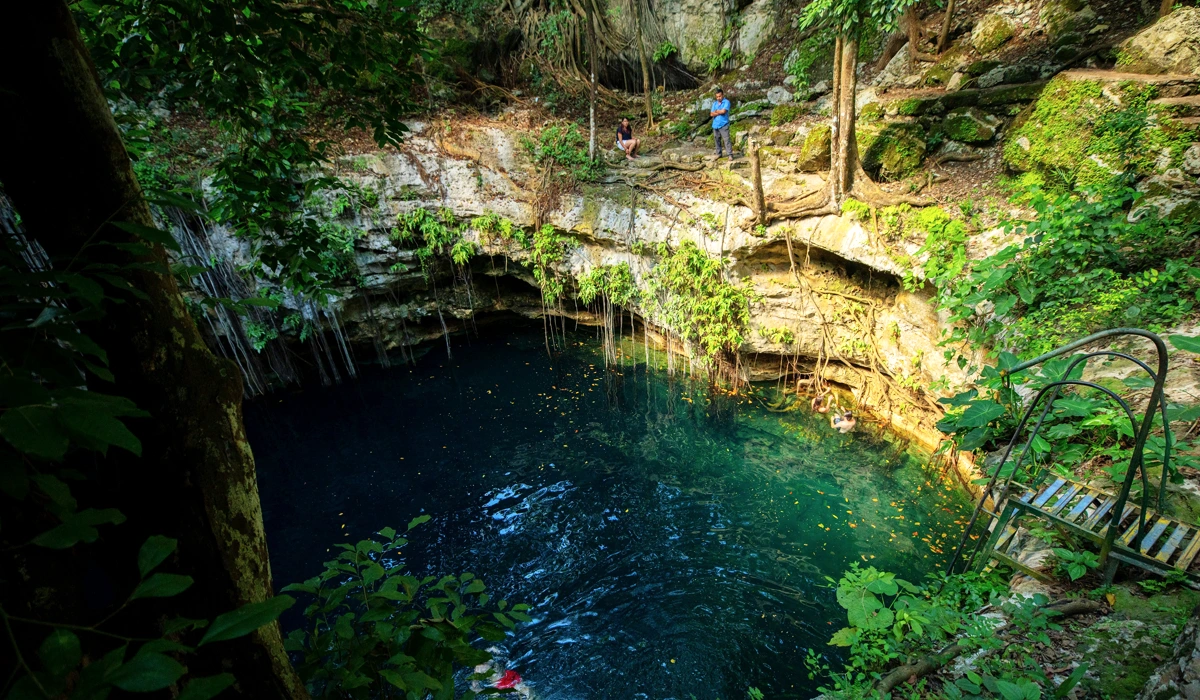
(835, 153)
(646, 94)
(944, 35)
(591, 41)
(67, 173)
(760, 202)
(1165, 8)
(847, 153)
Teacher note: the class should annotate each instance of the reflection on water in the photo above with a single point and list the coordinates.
(674, 543)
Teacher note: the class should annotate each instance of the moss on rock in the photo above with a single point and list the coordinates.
(814, 154)
(895, 150)
(991, 32)
(1083, 131)
(970, 125)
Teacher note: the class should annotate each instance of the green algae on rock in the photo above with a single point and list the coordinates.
(991, 32)
(970, 125)
(894, 149)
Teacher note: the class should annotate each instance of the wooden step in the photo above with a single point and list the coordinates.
(1172, 543)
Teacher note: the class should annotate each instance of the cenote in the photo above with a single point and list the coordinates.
(673, 541)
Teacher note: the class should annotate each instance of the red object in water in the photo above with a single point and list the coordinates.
(509, 680)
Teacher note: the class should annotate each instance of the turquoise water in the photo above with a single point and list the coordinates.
(674, 542)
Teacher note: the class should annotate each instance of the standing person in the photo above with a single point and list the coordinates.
(720, 122)
(625, 140)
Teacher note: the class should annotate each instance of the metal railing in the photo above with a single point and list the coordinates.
(1052, 390)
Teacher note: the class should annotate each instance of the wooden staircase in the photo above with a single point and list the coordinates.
(1167, 543)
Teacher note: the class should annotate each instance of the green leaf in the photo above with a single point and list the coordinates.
(19, 391)
(162, 585)
(146, 673)
(980, 414)
(148, 233)
(373, 573)
(418, 520)
(92, 424)
(154, 550)
(1072, 681)
(246, 619)
(34, 430)
(388, 532)
(1076, 407)
(78, 527)
(1187, 343)
(206, 687)
(844, 637)
(60, 652)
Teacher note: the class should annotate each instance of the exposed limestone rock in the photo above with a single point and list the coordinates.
(1174, 194)
(1171, 45)
(897, 73)
(778, 95)
(1191, 160)
(991, 32)
(970, 125)
(758, 21)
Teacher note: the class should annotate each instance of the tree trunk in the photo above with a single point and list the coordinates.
(842, 175)
(646, 94)
(760, 202)
(1165, 8)
(591, 41)
(67, 173)
(835, 163)
(944, 36)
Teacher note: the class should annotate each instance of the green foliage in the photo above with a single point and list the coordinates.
(892, 620)
(687, 291)
(1082, 265)
(858, 19)
(1075, 564)
(439, 235)
(372, 626)
(1174, 578)
(613, 283)
(799, 64)
(945, 245)
(263, 76)
(495, 229)
(57, 414)
(563, 149)
(549, 249)
(664, 51)
(778, 335)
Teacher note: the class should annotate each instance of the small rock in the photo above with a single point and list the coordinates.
(991, 32)
(1065, 53)
(820, 88)
(779, 95)
(1191, 160)
(954, 83)
(814, 154)
(1098, 29)
(978, 68)
(790, 80)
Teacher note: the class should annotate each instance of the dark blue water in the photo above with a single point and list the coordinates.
(673, 543)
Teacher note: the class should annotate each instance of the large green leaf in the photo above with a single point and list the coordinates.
(206, 687)
(91, 424)
(154, 550)
(79, 527)
(145, 673)
(980, 414)
(246, 619)
(1184, 342)
(34, 430)
(162, 585)
(843, 637)
(60, 652)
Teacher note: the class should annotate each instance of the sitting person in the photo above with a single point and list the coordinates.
(820, 402)
(625, 140)
(843, 423)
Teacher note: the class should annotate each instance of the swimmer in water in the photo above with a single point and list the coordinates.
(843, 423)
(820, 402)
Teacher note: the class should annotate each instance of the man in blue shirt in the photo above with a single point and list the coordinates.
(720, 123)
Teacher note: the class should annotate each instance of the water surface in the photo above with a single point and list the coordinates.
(674, 544)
